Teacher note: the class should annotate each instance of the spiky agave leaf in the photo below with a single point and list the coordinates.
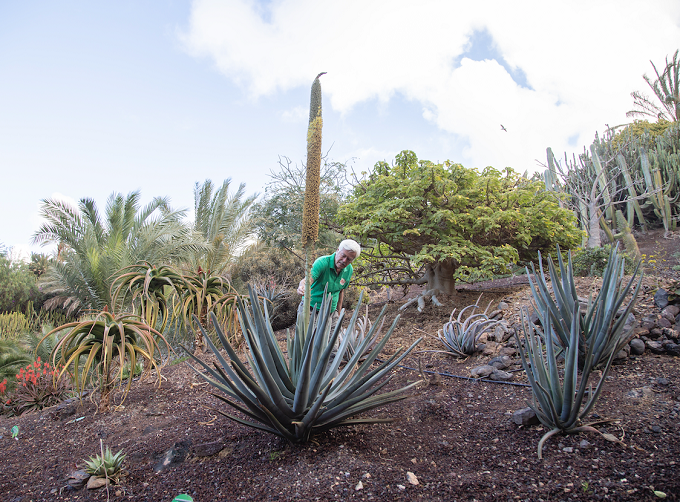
(305, 393)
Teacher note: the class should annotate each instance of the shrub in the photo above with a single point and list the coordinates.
(591, 262)
(13, 325)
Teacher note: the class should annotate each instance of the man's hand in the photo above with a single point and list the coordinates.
(301, 287)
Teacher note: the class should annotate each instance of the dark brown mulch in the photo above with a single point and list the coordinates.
(455, 436)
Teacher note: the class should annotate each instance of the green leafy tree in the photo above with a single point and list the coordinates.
(435, 223)
(93, 247)
(666, 89)
(279, 214)
(17, 286)
(223, 220)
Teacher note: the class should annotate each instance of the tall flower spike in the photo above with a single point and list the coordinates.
(310, 214)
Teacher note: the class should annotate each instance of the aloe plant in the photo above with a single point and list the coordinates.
(307, 392)
(460, 337)
(599, 327)
(106, 343)
(558, 402)
(107, 465)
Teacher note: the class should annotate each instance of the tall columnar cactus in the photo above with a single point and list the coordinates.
(310, 213)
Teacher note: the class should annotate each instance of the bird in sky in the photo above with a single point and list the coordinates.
(503, 128)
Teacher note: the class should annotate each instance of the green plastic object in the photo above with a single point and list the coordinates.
(15, 431)
(183, 497)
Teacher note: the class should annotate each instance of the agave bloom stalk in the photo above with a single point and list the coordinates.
(307, 392)
(310, 212)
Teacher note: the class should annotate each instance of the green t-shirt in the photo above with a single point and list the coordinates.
(323, 272)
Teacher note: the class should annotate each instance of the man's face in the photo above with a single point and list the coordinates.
(343, 257)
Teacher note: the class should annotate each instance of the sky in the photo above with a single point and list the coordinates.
(99, 97)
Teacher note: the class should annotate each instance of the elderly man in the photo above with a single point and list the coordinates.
(334, 271)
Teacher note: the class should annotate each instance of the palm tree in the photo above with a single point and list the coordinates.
(223, 219)
(666, 88)
(92, 248)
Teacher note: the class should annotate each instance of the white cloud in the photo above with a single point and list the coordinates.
(581, 60)
(297, 114)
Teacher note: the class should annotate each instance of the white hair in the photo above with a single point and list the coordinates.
(350, 245)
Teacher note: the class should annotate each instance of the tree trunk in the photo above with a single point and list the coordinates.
(593, 227)
(440, 276)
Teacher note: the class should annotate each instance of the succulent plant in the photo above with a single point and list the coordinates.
(107, 465)
(307, 392)
(99, 348)
(558, 402)
(600, 327)
(460, 337)
(358, 333)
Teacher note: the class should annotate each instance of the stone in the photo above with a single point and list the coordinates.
(643, 392)
(671, 334)
(655, 333)
(500, 375)
(490, 348)
(500, 362)
(77, 479)
(412, 478)
(503, 306)
(508, 351)
(663, 381)
(95, 482)
(621, 355)
(670, 311)
(655, 347)
(568, 449)
(496, 315)
(648, 322)
(672, 349)
(208, 449)
(637, 347)
(584, 444)
(482, 371)
(359, 486)
(661, 298)
(663, 323)
(525, 417)
(533, 317)
(501, 332)
(174, 455)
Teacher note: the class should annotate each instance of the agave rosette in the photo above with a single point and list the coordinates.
(460, 337)
(600, 326)
(307, 392)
